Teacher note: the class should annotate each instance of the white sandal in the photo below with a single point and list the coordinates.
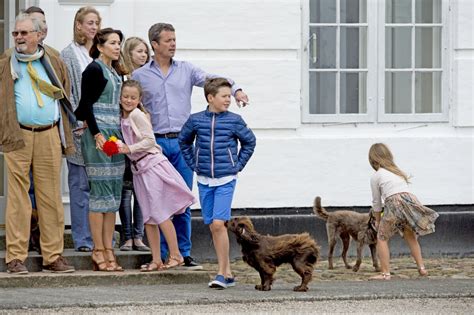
(422, 271)
(382, 276)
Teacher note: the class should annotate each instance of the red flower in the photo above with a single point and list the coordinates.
(111, 146)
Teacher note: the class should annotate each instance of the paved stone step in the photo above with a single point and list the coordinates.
(67, 239)
(100, 279)
(82, 261)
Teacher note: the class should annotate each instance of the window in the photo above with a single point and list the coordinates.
(374, 61)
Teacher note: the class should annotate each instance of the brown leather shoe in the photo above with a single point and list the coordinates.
(17, 267)
(60, 265)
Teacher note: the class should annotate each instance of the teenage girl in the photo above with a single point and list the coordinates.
(160, 190)
(402, 211)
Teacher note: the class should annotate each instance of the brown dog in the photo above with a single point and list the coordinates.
(347, 224)
(265, 252)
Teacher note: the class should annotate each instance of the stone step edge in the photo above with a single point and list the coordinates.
(90, 278)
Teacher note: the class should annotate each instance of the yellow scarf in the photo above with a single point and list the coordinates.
(39, 85)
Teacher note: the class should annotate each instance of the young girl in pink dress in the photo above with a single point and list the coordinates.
(160, 190)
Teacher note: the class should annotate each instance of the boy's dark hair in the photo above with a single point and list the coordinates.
(212, 86)
(156, 29)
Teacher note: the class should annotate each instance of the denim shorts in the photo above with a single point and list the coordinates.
(216, 201)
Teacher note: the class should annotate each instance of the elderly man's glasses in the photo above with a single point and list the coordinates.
(22, 33)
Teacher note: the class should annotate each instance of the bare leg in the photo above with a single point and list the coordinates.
(221, 245)
(96, 221)
(169, 233)
(410, 238)
(384, 255)
(108, 229)
(153, 234)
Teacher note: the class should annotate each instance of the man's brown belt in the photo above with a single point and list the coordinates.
(39, 128)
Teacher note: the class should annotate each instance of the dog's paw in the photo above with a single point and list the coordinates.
(300, 288)
(377, 268)
(260, 287)
(355, 268)
(349, 267)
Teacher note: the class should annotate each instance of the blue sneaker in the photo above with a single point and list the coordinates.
(219, 282)
(230, 282)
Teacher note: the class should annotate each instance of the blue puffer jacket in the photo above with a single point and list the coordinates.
(215, 153)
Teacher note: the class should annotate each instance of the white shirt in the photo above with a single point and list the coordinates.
(385, 184)
(214, 182)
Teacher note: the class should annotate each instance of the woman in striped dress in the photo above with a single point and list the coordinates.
(99, 107)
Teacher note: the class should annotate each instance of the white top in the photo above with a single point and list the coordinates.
(385, 184)
(214, 182)
(82, 55)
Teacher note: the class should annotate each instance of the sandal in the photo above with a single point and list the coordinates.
(382, 276)
(113, 261)
(100, 264)
(422, 271)
(174, 262)
(152, 266)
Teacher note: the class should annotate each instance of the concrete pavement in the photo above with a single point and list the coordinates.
(200, 294)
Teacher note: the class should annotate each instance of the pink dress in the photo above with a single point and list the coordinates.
(159, 188)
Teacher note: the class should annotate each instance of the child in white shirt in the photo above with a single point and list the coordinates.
(402, 212)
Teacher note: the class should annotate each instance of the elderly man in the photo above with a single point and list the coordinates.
(35, 126)
(167, 85)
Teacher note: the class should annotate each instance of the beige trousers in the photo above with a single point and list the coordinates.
(42, 154)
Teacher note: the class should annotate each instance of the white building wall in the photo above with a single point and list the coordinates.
(259, 44)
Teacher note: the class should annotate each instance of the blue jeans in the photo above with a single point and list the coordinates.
(79, 205)
(130, 230)
(182, 222)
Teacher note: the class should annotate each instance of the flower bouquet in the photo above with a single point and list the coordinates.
(112, 146)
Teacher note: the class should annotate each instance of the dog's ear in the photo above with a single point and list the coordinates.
(246, 233)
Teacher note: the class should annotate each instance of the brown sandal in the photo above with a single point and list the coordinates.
(174, 262)
(100, 265)
(113, 261)
(152, 266)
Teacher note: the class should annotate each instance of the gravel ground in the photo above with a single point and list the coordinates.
(381, 306)
(402, 268)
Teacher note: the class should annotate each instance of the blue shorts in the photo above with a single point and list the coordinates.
(216, 201)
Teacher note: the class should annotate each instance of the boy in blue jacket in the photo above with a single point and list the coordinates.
(209, 144)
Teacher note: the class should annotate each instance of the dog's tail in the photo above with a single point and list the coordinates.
(318, 210)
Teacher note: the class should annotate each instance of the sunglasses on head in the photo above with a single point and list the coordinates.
(22, 33)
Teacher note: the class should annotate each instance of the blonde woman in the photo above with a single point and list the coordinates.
(76, 57)
(402, 211)
(135, 53)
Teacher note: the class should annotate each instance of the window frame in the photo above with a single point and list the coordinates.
(375, 69)
(443, 116)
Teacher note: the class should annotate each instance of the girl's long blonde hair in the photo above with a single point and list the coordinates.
(128, 47)
(380, 156)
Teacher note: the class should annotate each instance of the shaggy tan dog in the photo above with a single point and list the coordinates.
(265, 252)
(347, 224)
